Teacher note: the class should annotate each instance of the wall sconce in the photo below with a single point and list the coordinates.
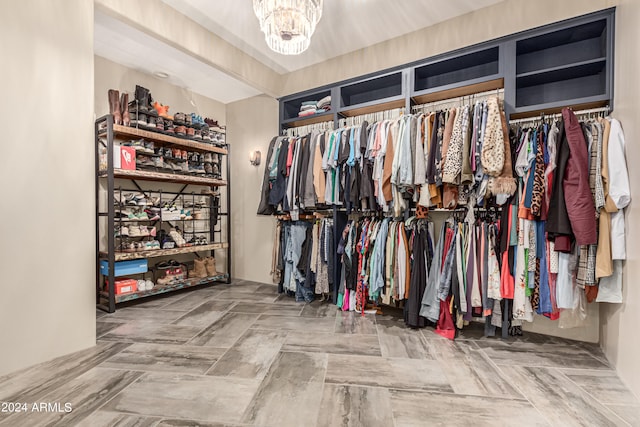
(254, 157)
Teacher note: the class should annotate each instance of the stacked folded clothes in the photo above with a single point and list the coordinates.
(309, 108)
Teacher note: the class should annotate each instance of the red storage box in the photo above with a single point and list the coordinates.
(125, 286)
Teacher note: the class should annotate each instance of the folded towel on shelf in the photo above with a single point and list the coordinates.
(307, 113)
(324, 102)
(313, 103)
(307, 107)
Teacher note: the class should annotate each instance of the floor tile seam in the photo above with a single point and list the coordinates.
(227, 351)
(454, 393)
(583, 390)
(151, 371)
(38, 397)
(350, 353)
(522, 393)
(161, 418)
(223, 313)
(142, 374)
(210, 325)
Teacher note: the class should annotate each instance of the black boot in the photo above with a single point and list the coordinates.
(142, 97)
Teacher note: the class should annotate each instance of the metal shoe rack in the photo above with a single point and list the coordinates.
(119, 181)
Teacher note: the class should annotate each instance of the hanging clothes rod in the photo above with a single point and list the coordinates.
(461, 100)
(372, 117)
(601, 110)
(306, 129)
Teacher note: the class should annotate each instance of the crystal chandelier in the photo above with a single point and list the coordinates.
(288, 24)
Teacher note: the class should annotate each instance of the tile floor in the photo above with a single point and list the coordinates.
(240, 354)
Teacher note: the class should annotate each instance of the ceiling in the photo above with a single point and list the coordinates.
(125, 45)
(346, 25)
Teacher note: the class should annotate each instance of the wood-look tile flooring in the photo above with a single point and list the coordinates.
(242, 355)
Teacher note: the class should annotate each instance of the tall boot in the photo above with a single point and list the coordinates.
(142, 96)
(114, 106)
(210, 265)
(124, 105)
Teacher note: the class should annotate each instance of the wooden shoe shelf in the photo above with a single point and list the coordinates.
(173, 188)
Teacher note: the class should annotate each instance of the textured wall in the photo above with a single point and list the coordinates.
(619, 322)
(251, 123)
(47, 255)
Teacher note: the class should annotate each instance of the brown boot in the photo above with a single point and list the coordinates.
(199, 268)
(114, 106)
(124, 107)
(210, 263)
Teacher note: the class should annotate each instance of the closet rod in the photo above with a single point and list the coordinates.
(303, 130)
(371, 117)
(460, 99)
(543, 116)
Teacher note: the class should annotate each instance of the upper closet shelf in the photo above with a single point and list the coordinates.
(600, 62)
(126, 131)
(309, 120)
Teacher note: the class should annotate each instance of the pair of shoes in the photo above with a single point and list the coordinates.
(141, 102)
(177, 237)
(145, 285)
(162, 110)
(151, 245)
(122, 231)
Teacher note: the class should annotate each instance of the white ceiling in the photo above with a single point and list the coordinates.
(346, 25)
(125, 45)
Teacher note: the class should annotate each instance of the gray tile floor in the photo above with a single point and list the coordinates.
(240, 354)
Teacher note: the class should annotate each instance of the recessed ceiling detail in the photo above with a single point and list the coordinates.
(125, 45)
(346, 25)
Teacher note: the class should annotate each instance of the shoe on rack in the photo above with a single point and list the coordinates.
(197, 134)
(191, 132)
(114, 106)
(152, 231)
(151, 122)
(210, 264)
(180, 130)
(135, 232)
(162, 110)
(199, 269)
(141, 285)
(124, 109)
(149, 147)
(177, 237)
(149, 285)
(160, 124)
(142, 98)
(188, 120)
(179, 118)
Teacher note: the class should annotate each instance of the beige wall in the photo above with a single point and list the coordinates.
(109, 75)
(251, 125)
(47, 254)
(620, 322)
(501, 19)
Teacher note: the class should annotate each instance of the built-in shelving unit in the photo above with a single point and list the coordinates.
(568, 63)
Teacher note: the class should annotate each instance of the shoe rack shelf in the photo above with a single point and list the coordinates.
(129, 132)
(126, 256)
(111, 181)
(158, 290)
(165, 177)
